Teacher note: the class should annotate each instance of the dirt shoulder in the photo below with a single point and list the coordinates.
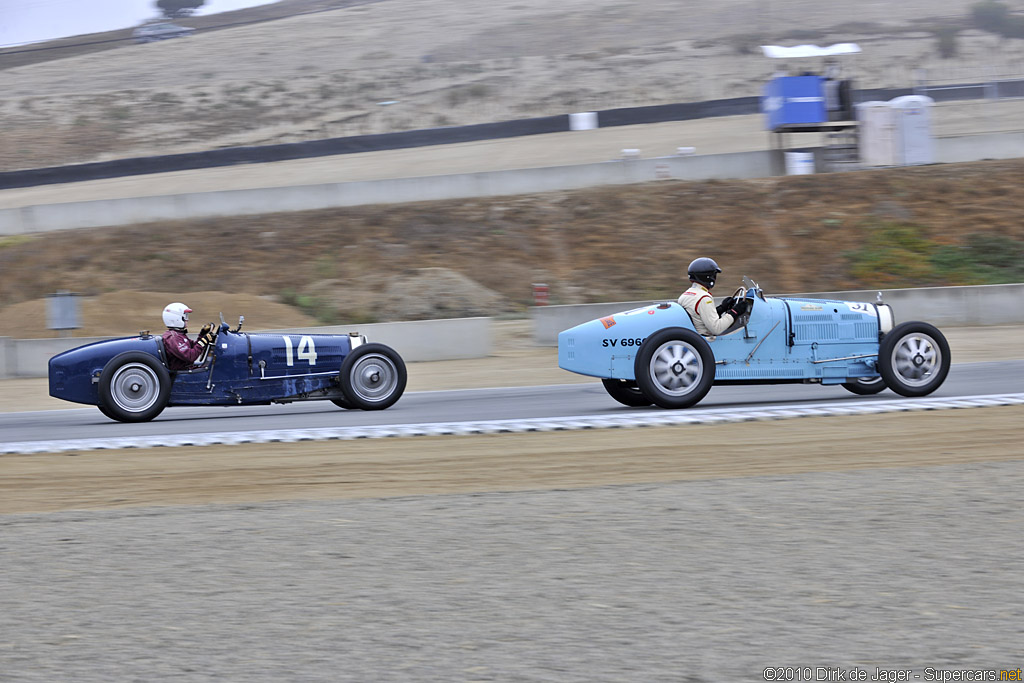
(514, 462)
(517, 362)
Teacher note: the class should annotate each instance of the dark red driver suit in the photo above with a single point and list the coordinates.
(181, 351)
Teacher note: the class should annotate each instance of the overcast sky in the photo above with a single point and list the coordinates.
(29, 21)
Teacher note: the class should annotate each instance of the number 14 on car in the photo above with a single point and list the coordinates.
(306, 350)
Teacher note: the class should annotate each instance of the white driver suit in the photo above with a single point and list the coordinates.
(700, 305)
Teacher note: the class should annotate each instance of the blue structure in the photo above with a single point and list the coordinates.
(794, 101)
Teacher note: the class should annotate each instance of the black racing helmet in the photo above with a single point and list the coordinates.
(704, 271)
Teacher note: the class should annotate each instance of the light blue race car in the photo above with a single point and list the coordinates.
(653, 354)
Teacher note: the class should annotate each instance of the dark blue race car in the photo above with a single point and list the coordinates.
(128, 378)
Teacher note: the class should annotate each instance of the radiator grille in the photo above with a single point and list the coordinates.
(865, 330)
(816, 331)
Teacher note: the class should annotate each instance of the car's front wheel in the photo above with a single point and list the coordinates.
(675, 368)
(913, 358)
(625, 392)
(343, 403)
(865, 386)
(134, 387)
(372, 377)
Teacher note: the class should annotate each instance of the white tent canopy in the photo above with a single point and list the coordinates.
(779, 52)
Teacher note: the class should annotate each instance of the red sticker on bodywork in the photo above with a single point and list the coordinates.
(650, 312)
(608, 322)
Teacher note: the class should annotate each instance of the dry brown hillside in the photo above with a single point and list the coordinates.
(932, 225)
(403, 64)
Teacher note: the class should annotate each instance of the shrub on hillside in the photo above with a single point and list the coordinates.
(995, 17)
(904, 255)
(945, 40)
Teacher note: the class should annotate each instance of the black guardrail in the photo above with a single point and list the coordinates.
(231, 156)
(628, 116)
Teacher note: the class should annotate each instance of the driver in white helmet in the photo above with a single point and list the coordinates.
(708, 320)
(182, 352)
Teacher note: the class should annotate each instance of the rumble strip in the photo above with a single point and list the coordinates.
(659, 418)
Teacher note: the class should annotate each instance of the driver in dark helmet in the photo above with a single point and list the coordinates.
(708, 320)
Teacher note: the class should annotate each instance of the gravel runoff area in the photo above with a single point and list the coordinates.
(891, 569)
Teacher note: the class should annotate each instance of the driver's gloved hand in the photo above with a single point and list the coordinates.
(740, 307)
(726, 304)
(205, 332)
(206, 336)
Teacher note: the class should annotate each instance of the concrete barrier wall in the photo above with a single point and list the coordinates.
(941, 306)
(423, 340)
(978, 147)
(129, 211)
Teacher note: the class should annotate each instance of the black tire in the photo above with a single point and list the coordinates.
(107, 413)
(343, 403)
(675, 368)
(913, 359)
(372, 377)
(625, 392)
(134, 387)
(866, 386)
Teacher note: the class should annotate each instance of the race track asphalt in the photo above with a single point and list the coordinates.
(969, 379)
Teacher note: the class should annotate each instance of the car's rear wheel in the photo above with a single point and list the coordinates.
(913, 359)
(625, 392)
(675, 368)
(343, 403)
(133, 387)
(865, 386)
(372, 377)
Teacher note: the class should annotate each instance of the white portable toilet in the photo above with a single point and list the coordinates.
(912, 127)
(875, 137)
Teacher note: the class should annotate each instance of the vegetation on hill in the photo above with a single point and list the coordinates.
(953, 224)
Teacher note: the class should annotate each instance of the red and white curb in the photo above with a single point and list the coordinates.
(660, 418)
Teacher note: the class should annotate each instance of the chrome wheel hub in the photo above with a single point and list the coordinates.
(134, 387)
(676, 368)
(374, 377)
(915, 358)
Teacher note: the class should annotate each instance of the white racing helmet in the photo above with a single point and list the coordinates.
(176, 316)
